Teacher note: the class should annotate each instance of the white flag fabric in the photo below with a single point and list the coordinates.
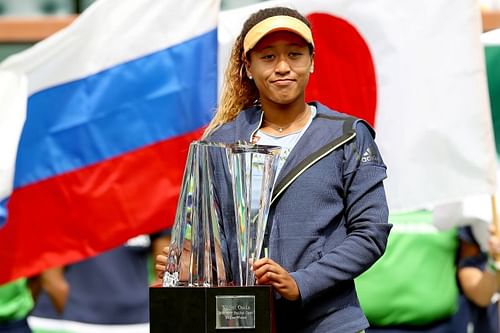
(477, 211)
(422, 85)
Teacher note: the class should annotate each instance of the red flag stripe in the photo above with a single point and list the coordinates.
(344, 77)
(84, 212)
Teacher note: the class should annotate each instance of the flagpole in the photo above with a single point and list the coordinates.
(495, 214)
(496, 232)
(495, 222)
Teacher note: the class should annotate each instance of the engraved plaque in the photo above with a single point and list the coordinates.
(235, 312)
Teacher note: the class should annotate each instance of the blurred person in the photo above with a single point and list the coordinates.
(329, 222)
(108, 291)
(441, 279)
(16, 302)
(477, 257)
(17, 299)
(413, 288)
(479, 279)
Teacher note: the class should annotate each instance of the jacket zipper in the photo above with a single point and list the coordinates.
(349, 138)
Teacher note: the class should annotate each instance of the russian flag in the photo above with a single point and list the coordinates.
(95, 122)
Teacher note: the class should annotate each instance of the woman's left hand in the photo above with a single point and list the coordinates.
(269, 272)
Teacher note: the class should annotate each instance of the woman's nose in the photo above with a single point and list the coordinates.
(282, 66)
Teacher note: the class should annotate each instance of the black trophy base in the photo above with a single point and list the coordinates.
(219, 309)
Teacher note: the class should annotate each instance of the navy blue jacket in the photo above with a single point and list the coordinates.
(328, 219)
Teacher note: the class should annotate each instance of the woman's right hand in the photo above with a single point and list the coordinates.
(170, 260)
(161, 262)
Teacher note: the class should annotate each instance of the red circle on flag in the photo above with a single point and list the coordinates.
(344, 73)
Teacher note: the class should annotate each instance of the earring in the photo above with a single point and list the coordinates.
(250, 77)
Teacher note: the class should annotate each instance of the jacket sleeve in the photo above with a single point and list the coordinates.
(366, 220)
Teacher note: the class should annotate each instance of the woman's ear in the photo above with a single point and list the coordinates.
(312, 64)
(247, 70)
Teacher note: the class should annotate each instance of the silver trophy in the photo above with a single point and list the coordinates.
(196, 257)
(253, 170)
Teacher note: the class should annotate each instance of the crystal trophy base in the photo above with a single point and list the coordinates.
(215, 309)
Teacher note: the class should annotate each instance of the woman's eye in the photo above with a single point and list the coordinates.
(295, 54)
(267, 57)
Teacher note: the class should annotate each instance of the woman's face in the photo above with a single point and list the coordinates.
(280, 65)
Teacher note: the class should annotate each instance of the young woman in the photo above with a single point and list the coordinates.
(328, 220)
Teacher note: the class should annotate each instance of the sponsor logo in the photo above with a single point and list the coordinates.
(369, 156)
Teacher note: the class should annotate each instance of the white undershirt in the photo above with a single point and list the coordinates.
(287, 142)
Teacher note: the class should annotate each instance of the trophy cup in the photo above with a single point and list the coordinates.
(253, 169)
(197, 256)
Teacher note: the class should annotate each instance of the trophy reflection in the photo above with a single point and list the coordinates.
(196, 257)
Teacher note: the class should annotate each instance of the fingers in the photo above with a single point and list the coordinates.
(161, 259)
(266, 270)
(261, 265)
(160, 271)
(267, 278)
(269, 272)
(494, 245)
(160, 265)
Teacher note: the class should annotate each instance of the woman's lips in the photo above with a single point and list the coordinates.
(283, 82)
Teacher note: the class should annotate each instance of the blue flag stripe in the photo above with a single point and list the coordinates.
(154, 98)
(3, 211)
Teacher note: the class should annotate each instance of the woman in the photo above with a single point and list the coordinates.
(328, 221)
